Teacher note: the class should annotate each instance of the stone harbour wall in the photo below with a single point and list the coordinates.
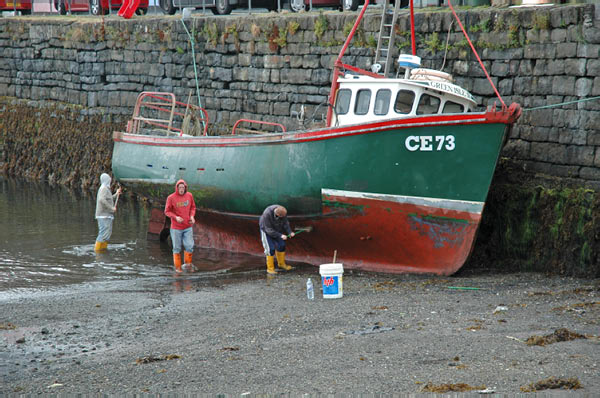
(274, 67)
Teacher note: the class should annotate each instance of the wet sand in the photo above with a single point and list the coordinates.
(246, 333)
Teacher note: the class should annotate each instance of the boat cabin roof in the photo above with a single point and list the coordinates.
(362, 98)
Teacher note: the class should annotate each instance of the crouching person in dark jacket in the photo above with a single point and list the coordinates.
(274, 231)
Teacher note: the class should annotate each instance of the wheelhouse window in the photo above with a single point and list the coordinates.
(453, 107)
(363, 99)
(382, 101)
(428, 104)
(404, 101)
(342, 103)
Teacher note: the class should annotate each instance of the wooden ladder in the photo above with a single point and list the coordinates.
(385, 43)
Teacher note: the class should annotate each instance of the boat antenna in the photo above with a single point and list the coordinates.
(476, 55)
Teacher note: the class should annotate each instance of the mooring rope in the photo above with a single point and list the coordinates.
(561, 104)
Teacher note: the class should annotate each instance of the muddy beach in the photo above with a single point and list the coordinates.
(238, 333)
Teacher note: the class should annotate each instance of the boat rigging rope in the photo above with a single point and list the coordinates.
(561, 104)
(476, 54)
(447, 43)
(192, 44)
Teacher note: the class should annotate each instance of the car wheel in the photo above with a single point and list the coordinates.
(350, 5)
(167, 6)
(141, 11)
(60, 6)
(222, 7)
(96, 8)
(297, 5)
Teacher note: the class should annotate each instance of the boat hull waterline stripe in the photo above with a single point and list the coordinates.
(458, 205)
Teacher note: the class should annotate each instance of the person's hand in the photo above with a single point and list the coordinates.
(115, 209)
(284, 237)
(119, 191)
(178, 219)
(292, 235)
(192, 220)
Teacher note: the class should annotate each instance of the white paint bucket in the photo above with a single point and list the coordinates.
(331, 278)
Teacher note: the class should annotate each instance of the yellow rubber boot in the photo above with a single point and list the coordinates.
(281, 261)
(98, 247)
(104, 245)
(177, 261)
(187, 261)
(271, 265)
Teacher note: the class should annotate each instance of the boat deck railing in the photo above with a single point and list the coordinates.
(158, 113)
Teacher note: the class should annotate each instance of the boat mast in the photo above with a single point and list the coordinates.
(338, 64)
(412, 28)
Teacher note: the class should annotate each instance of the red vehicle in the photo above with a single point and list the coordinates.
(24, 6)
(95, 7)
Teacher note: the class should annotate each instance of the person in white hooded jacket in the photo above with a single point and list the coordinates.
(105, 210)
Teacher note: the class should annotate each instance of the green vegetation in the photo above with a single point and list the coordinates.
(433, 43)
(541, 21)
(211, 33)
(321, 26)
(485, 26)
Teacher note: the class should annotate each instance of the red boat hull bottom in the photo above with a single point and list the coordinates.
(368, 233)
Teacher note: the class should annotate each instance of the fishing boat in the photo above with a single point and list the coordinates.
(396, 182)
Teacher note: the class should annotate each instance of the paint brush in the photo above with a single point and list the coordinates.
(299, 230)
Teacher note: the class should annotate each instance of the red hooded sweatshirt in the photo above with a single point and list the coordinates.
(182, 206)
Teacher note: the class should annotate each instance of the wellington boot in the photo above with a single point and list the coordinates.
(177, 261)
(105, 245)
(99, 246)
(281, 261)
(187, 261)
(271, 265)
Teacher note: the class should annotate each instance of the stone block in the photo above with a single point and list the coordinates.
(567, 171)
(539, 51)
(558, 35)
(296, 76)
(590, 173)
(505, 87)
(522, 85)
(593, 68)
(517, 149)
(564, 85)
(580, 155)
(281, 108)
(583, 87)
(548, 152)
(585, 50)
(556, 67)
(596, 87)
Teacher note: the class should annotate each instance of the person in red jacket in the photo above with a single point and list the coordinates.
(181, 209)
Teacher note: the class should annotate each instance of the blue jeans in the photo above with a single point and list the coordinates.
(271, 244)
(182, 236)
(104, 229)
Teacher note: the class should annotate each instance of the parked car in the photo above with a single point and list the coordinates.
(218, 7)
(348, 5)
(95, 7)
(24, 6)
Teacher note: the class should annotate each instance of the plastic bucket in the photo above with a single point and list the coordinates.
(331, 279)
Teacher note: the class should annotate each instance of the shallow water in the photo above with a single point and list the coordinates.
(47, 238)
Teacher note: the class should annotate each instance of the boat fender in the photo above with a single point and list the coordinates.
(430, 74)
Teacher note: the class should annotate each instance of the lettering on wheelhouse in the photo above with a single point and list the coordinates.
(430, 143)
(451, 88)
